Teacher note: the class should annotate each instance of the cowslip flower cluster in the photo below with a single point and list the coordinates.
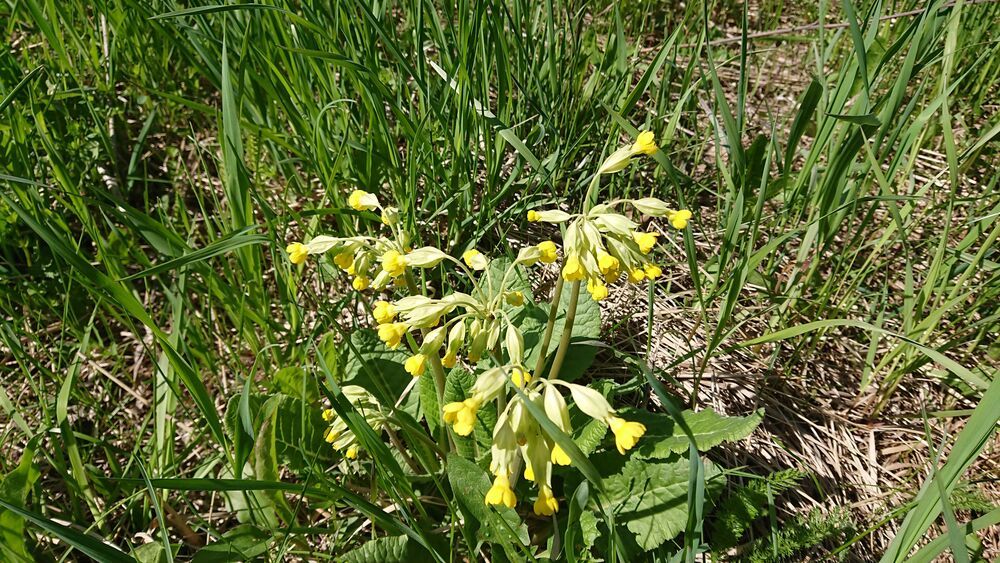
(601, 245)
(339, 435)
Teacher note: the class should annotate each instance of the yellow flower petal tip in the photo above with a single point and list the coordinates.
(533, 216)
(384, 312)
(415, 365)
(598, 291)
(361, 283)
(519, 377)
(652, 271)
(646, 241)
(392, 333)
(475, 259)
(679, 219)
(559, 456)
(461, 415)
(297, 252)
(573, 270)
(549, 252)
(546, 505)
(393, 263)
(627, 433)
(645, 143)
(501, 493)
(352, 452)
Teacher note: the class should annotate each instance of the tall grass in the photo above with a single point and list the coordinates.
(155, 158)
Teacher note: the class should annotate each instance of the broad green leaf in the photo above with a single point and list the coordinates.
(150, 553)
(429, 402)
(242, 543)
(586, 330)
(663, 437)
(650, 498)
(14, 489)
(590, 434)
(390, 549)
(496, 524)
(376, 368)
(295, 382)
(265, 462)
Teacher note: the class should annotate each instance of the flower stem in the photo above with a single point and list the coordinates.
(567, 334)
(549, 327)
(436, 367)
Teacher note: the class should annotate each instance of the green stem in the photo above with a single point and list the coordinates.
(436, 367)
(567, 333)
(549, 327)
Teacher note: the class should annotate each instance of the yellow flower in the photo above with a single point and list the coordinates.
(598, 290)
(646, 241)
(415, 365)
(573, 270)
(652, 271)
(361, 283)
(546, 505)
(627, 433)
(450, 359)
(533, 216)
(645, 143)
(384, 312)
(679, 219)
(559, 457)
(636, 275)
(606, 262)
(475, 259)
(297, 252)
(332, 435)
(393, 263)
(352, 452)
(392, 333)
(344, 260)
(501, 493)
(529, 473)
(519, 377)
(462, 415)
(350, 269)
(549, 250)
(514, 298)
(361, 200)
(328, 414)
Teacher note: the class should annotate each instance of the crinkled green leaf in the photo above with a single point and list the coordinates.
(294, 382)
(663, 437)
(496, 524)
(390, 549)
(650, 498)
(378, 369)
(589, 435)
(429, 402)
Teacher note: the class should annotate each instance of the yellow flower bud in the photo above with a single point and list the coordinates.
(352, 452)
(533, 216)
(360, 200)
(549, 251)
(514, 298)
(450, 359)
(652, 271)
(415, 365)
(549, 216)
(646, 241)
(297, 252)
(679, 219)
(636, 275)
(361, 283)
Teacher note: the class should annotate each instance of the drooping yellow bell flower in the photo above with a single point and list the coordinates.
(627, 433)
(549, 251)
(392, 333)
(462, 415)
(646, 241)
(360, 200)
(645, 143)
(393, 263)
(679, 219)
(501, 493)
(384, 312)
(546, 505)
(415, 365)
(573, 270)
